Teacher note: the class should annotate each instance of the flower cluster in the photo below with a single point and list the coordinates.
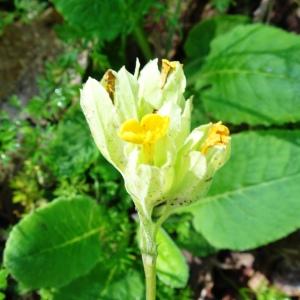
(141, 123)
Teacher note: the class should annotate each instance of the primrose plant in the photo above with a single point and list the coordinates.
(141, 123)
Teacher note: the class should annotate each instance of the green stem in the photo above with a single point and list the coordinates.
(148, 233)
(149, 262)
(142, 41)
(149, 254)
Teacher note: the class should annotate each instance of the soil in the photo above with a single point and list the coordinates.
(24, 49)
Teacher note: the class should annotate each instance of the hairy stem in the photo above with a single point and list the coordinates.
(149, 262)
(149, 253)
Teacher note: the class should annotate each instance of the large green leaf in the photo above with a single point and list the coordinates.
(103, 284)
(172, 268)
(252, 76)
(255, 197)
(57, 243)
(198, 42)
(104, 19)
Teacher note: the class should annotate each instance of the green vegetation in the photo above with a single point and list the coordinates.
(68, 226)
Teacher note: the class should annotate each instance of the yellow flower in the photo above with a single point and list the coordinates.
(141, 124)
(145, 133)
(151, 128)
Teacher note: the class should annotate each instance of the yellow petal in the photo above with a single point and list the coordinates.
(217, 135)
(151, 128)
(155, 127)
(131, 131)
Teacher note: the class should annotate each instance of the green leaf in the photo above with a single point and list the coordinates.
(198, 42)
(71, 150)
(8, 140)
(57, 243)
(252, 76)
(254, 199)
(188, 238)
(3, 279)
(104, 19)
(172, 268)
(221, 5)
(103, 284)
(128, 286)
(197, 47)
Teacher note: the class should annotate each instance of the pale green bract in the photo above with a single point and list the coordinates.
(178, 173)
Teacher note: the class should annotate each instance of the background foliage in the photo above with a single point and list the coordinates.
(75, 234)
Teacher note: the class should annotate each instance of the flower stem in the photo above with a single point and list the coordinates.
(149, 253)
(149, 263)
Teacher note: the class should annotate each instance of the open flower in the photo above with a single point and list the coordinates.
(141, 124)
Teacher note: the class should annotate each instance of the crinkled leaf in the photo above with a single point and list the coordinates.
(254, 199)
(252, 76)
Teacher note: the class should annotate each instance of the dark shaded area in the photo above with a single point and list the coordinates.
(232, 275)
